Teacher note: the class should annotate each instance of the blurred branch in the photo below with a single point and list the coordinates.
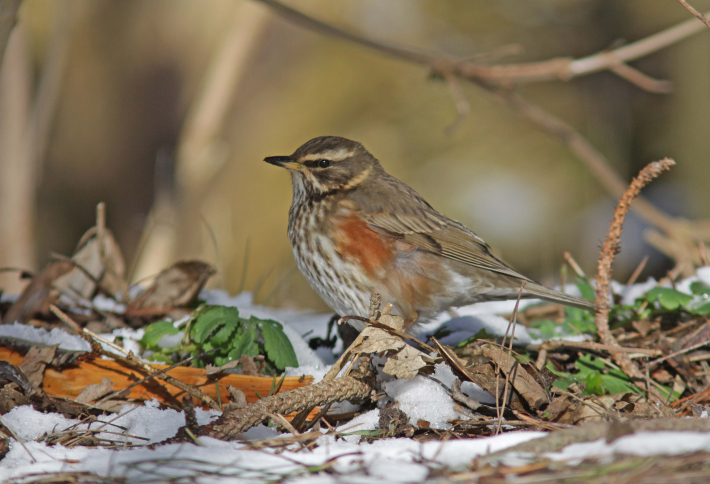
(201, 152)
(196, 161)
(8, 17)
(26, 128)
(595, 161)
(560, 68)
(499, 79)
(17, 187)
(697, 14)
(50, 82)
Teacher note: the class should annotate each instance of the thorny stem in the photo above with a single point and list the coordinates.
(355, 387)
(609, 251)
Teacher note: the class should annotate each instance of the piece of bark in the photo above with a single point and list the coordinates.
(61, 358)
(69, 382)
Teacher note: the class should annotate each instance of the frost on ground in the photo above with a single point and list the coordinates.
(397, 460)
(347, 455)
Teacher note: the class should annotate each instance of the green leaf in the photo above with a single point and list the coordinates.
(277, 345)
(586, 289)
(594, 384)
(586, 327)
(564, 382)
(699, 288)
(161, 358)
(546, 327)
(668, 298)
(244, 342)
(616, 381)
(208, 319)
(221, 337)
(593, 371)
(702, 310)
(480, 334)
(155, 332)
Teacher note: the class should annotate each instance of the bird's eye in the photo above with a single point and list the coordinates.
(323, 163)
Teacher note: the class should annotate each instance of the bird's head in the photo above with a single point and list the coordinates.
(328, 164)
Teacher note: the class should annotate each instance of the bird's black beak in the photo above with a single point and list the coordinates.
(282, 161)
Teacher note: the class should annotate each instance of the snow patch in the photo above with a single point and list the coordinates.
(56, 336)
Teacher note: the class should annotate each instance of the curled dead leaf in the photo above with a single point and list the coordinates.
(95, 391)
(36, 360)
(38, 294)
(176, 286)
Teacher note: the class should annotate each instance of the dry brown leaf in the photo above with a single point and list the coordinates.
(524, 383)
(406, 363)
(10, 373)
(247, 362)
(376, 340)
(565, 409)
(248, 366)
(36, 360)
(239, 398)
(558, 407)
(37, 296)
(99, 255)
(213, 370)
(95, 391)
(11, 397)
(174, 287)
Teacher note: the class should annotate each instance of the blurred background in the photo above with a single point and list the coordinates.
(164, 109)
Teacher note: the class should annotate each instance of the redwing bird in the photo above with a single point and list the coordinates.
(356, 230)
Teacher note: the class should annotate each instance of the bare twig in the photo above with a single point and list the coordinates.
(389, 329)
(132, 361)
(637, 271)
(154, 375)
(595, 161)
(513, 323)
(589, 345)
(561, 68)
(697, 14)
(17, 437)
(574, 265)
(653, 363)
(8, 17)
(609, 251)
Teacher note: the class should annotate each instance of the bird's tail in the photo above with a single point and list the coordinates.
(533, 290)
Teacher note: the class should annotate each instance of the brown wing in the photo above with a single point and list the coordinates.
(394, 208)
(403, 213)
